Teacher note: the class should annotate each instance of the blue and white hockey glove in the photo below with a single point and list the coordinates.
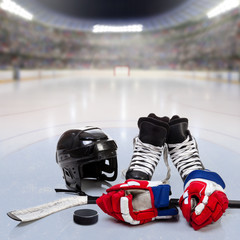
(138, 201)
(206, 189)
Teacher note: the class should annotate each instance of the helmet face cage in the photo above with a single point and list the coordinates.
(87, 153)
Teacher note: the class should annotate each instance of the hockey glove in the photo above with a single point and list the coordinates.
(203, 200)
(138, 201)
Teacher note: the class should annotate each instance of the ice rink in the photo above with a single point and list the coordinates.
(33, 115)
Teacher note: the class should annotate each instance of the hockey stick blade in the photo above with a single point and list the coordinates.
(231, 204)
(35, 213)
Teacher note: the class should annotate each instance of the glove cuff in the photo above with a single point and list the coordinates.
(161, 195)
(205, 174)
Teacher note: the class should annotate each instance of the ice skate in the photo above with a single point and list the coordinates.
(183, 147)
(148, 147)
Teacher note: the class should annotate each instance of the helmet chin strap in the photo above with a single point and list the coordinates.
(91, 199)
(78, 191)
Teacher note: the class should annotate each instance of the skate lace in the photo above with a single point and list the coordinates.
(185, 156)
(146, 157)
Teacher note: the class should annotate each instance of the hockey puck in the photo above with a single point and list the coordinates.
(85, 216)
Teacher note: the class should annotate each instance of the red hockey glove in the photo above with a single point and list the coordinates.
(137, 201)
(206, 190)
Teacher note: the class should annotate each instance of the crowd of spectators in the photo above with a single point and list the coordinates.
(207, 44)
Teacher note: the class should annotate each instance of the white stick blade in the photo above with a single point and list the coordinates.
(34, 213)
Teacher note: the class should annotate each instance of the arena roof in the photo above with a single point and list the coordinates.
(111, 9)
(83, 15)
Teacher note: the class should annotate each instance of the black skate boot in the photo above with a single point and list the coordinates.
(182, 147)
(148, 147)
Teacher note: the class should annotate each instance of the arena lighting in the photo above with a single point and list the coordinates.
(12, 7)
(223, 7)
(127, 28)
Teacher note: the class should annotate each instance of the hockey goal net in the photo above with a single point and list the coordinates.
(121, 71)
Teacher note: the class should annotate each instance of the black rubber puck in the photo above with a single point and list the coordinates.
(85, 216)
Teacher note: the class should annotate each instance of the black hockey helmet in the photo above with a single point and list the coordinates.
(86, 153)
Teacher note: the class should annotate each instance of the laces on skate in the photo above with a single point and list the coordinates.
(146, 157)
(185, 156)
